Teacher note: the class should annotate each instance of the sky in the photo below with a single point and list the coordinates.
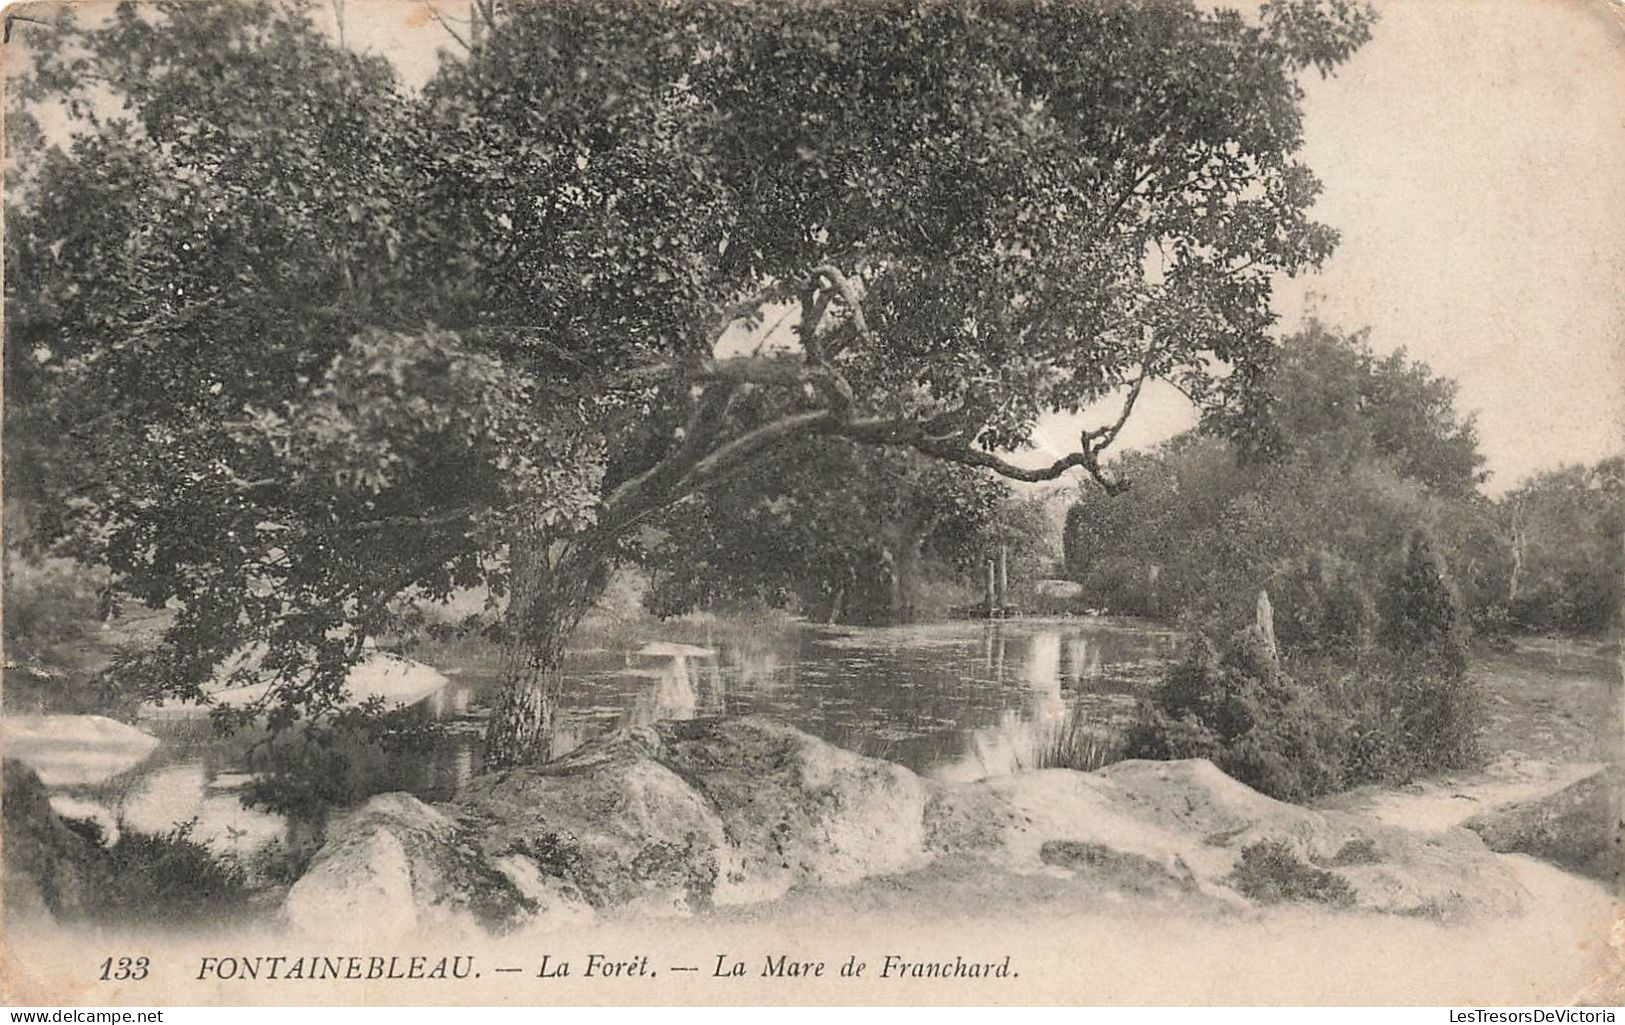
(1473, 160)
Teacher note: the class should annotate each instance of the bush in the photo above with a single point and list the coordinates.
(1422, 614)
(166, 879)
(1270, 873)
(1325, 610)
(1246, 715)
(1079, 741)
(1397, 721)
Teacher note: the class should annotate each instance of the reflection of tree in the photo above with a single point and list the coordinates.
(1329, 447)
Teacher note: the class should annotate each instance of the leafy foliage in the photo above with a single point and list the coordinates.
(309, 342)
(167, 878)
(1245, 714)
(1269, 872)
(1305, 486)
(1328, 400)
(1422, 613)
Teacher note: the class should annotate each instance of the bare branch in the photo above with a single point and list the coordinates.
(958, 450)
(444, 22)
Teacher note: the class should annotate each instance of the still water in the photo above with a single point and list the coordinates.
(959, 700)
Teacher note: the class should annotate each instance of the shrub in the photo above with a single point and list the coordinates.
(1423, 695)
(50, 601)
(1422, 614)
(1270, 873)
(1322, 722)
(1246, 715)
(165, 879)
(1324, 609)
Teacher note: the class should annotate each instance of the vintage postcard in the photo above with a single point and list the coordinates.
(813, 502)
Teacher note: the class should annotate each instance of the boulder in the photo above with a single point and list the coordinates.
(51, 868)
(1054, 588)
(797, 811)
(1577, 828)
(676, 818)
(680, 816)
(398, 867)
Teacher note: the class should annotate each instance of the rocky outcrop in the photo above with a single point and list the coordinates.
(397, 866)
(798, 811)
(1193, 822)
(680, 817)
(676, 818)
(51, 869)
(1577, 828)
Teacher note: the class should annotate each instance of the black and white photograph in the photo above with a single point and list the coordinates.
(553, 503)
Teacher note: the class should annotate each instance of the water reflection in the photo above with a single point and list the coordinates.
(960, 700)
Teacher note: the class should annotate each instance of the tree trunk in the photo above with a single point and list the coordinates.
(550, 588)
(1515, 578)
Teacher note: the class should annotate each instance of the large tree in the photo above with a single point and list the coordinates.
(312, 342)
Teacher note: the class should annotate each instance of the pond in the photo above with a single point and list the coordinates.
(958, 700)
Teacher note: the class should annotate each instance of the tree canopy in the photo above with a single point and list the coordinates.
(1327, 457)
(311, 341)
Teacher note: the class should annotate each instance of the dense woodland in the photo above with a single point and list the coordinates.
(1318, 477)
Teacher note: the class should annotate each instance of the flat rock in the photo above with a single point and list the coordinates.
(74, 750)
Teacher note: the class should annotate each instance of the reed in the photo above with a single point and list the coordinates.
(1078, 741)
